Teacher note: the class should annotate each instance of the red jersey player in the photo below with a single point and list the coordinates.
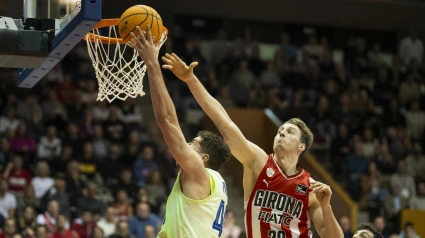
(280, 197)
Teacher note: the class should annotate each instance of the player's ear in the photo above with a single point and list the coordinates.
(301, 147)
(205, 157)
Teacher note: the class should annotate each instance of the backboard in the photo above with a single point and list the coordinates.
(72, 20)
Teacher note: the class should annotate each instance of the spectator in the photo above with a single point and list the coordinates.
(418, 202)
(125, 183)
(115, 129)
(17, 176)
(230, 229)
(411, 48)
(156, 186)
(223, 97)
(41, 182)
(416, 162)
(150, 232)
(50, 146)
(100, 144)
(9, 121)
(407, 183)
(58, 193)
(357, 165)
(144, 165)
(112, 165)
(50, 217)
(84, 225)
(219, 48)
(143, 218)
(409, 231)
(394, 203)
(22, 143)
(89, 166)
(98, 232)
(9, 229)
(374, 191)
(123, 231)
(74, 138)
(415, 121)
(62, 230)
(8, 202)
(27, 199)
(90, 201)
(108, 223)
(66, 90)
(122, 208)
(27, 107)
(132, 148)
(27, 219)
(130, 113)
(379, 223)
(340, 149)
(5, 154)
(41, 232)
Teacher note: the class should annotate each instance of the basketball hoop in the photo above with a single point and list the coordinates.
(119, 70)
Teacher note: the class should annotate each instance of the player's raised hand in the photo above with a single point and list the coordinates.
(178, 67)
(323, 192)
(144, 45)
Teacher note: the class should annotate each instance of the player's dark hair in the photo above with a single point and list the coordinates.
(306, 134)
(216, 148)
(372, 229)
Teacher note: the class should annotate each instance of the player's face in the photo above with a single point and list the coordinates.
(196, 144)
(363, 234)
(287, 137)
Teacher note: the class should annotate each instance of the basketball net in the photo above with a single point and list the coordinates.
(119, 70)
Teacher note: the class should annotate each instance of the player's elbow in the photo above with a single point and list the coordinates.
(164, 121)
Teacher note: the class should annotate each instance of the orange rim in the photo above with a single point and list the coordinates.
(108, 40)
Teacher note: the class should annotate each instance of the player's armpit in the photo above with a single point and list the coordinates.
(188, 159)
(242, 149)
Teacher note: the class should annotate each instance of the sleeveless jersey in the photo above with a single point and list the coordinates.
(185, 217)
(278, 204)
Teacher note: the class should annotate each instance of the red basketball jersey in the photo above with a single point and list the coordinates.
(278, 204)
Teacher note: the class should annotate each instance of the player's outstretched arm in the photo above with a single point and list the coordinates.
(165, 112)
(245, 151)
(320, 211)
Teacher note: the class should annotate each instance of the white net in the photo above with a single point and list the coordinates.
(119, 70)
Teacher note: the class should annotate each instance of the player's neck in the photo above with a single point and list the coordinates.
(288, 163)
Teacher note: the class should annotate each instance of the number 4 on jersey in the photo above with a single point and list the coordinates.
(219, 219)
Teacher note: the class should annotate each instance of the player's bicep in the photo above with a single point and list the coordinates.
(316, 215)
(243, 150)
(187, 158)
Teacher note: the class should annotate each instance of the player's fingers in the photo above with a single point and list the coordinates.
(315, 185)
(141, 36)
(193, 65)
(166, 60)
(178, 58)
(166, 66)
(135, 40)
(149, 34)
(171, 58)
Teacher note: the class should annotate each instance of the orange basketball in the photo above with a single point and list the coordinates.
(140, 15)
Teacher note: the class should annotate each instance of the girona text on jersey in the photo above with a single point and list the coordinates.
(278, 204)
(284, 207)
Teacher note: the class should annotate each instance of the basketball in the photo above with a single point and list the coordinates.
(140, 15)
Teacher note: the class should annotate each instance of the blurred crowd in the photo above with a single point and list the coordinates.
(75, 167)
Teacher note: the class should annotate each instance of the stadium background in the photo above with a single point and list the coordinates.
(335, 64)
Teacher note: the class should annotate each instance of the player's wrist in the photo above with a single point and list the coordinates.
(189, 79)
